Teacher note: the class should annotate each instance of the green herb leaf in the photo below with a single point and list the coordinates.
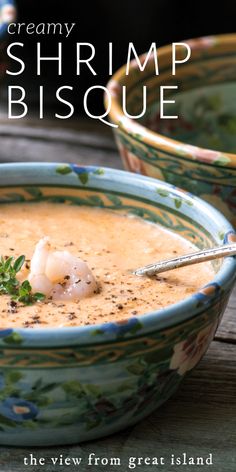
(18, 263)
(7, 263)
(10, 285)
(39, 297)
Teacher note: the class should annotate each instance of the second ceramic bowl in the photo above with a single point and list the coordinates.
(198, 151)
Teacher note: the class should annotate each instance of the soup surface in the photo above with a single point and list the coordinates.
(111, 244)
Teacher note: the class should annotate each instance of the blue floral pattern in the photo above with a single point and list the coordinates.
(18, 410)
(5, 332)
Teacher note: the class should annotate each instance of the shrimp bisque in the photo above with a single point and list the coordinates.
(79, 258)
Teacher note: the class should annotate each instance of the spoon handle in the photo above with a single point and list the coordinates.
(187, 259)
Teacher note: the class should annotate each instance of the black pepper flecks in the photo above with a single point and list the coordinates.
(120, 306)
(12, 307)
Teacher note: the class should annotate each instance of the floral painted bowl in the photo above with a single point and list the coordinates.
(66, 385)
(197, 151)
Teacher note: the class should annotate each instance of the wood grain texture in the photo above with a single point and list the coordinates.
(227, 329)
(55, 144)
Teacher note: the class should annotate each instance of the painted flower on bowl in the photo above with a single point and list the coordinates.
(17, 409)
(204, 155)
(122, 327)
(230, 237)
(104, 406)
(5, 332)
(202, 43)
(188, 353)
(206, 293)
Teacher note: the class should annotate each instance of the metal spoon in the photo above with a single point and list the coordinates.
(187, 259)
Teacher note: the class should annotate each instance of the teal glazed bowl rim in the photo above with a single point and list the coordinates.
(47, 174)
(4, 24)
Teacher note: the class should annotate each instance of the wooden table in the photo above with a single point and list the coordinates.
(201, 417)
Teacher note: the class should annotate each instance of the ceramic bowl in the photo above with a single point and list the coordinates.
(7, 15)
(197, 151)
(67, 385)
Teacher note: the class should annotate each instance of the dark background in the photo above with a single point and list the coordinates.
(101, 21)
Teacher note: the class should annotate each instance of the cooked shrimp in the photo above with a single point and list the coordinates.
(59, 274)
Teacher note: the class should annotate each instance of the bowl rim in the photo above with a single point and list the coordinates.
(4, 25)
(156, 320)
(159, 141)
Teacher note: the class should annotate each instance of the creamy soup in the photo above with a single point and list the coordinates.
(111, 244)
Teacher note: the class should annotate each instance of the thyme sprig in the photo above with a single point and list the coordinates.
(10, 285)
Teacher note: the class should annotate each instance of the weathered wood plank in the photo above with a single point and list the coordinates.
(30, 144)
(227, 328)
(198, 420)
(94, 138)
(84, 143)
(22, 149)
